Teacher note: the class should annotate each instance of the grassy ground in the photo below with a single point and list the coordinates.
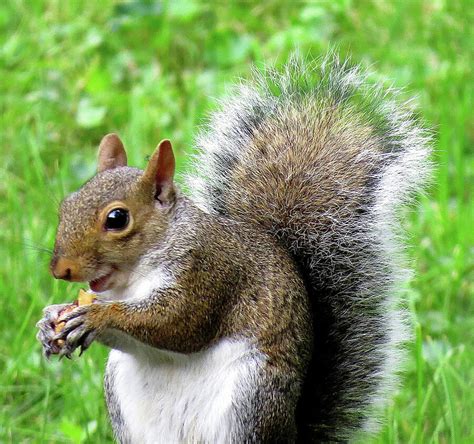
(73, 71)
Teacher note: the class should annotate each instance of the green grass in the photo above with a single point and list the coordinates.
(73, 71)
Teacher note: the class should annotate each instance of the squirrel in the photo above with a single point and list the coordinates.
(264, 305)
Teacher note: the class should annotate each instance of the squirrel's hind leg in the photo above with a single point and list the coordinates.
(269, 414)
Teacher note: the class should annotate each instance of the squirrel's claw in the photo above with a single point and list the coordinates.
(88, 339)
(65, 352)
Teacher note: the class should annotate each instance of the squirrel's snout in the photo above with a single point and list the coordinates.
(64, 268)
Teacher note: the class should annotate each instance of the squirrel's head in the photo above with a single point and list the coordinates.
(108, 224)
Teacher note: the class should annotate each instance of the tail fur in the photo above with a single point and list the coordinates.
(321, 158)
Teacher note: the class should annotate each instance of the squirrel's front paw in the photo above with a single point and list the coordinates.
(46, 331)
(82, 326)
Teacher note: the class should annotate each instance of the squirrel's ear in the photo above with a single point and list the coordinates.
(160, 172)
(111, 153)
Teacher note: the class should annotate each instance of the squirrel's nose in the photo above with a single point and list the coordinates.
(64, 268)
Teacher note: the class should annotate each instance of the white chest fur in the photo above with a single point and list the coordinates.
(168, 397)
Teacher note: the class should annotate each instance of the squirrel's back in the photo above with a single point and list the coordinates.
(321, 159)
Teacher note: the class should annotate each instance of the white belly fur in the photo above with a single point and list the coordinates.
(168, 397)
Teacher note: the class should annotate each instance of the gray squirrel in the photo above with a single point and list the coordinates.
(265, 307)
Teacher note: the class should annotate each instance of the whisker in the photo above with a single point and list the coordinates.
(39, 248)
(31, 246)
(31, 251)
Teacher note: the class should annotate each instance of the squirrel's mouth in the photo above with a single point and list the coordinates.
(101, 284)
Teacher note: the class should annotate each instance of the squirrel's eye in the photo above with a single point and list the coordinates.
(117, 219)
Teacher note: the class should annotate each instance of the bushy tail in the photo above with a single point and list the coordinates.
(321, 158)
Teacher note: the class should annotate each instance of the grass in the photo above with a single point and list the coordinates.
(73, 71)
